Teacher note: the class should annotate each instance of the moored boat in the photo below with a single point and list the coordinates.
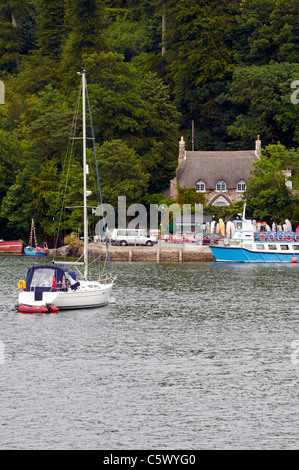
(33, 249)
(11, 247)
(56, 286)
(248, 245)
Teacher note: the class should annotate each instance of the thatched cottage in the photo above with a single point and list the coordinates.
(221, 176)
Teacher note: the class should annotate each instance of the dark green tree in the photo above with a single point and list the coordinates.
(267, 30)
(50, 29)
(85, 22)
(12, 16)
(267, 195)
(262, 99)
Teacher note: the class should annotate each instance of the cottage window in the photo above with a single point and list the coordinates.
(221, 186)
(220, 201)
(241, 186)
(200, 186)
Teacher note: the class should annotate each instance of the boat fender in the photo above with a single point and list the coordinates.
(262, 237)
(22, 285)
(53, 309)
(294, 259)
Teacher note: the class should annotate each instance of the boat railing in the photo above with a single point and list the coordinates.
(276, 236)
(107, 279)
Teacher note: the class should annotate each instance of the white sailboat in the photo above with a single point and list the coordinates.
(54, 287)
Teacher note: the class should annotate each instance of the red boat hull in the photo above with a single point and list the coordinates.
(15, 247)
(37, 309)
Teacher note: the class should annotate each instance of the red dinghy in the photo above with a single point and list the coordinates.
(37, 309)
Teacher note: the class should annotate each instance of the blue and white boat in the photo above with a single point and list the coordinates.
(33, 249)
(247, 245)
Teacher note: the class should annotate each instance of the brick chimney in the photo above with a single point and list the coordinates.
(182, 151)
(258, 146)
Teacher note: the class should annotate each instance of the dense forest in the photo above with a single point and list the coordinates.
(153, 67)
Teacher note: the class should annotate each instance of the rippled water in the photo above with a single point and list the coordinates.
(192, 356)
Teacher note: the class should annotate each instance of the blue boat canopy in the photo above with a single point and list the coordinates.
(50, 278)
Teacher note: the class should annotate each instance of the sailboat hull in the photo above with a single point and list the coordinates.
(88, 295)
(84, 297)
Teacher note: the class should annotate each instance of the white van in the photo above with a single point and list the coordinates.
(132, 237)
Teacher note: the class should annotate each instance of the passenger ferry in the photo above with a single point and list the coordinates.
(247, 245)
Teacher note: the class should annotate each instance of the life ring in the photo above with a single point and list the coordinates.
(289, 237)
(262, 237)
(46, 250)
(271, 237)
(280, 237)
(38, 249)
(22, 285)
(296, 238)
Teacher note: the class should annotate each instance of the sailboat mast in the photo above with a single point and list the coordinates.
(85, 252)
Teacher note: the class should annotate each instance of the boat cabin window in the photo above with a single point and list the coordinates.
(284, 247)
(296, 247)
(272, 247)
(248, 246)
(260, 246)
(42, 278)
(239, 226)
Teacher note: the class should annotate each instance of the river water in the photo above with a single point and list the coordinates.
(192, 356)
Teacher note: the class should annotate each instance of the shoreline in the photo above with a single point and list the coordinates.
(158, 253)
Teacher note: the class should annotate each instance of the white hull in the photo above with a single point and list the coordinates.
(88, 295)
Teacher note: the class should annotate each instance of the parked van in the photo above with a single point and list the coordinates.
(132, 237)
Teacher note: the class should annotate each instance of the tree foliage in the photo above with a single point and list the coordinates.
(268, 196)
(153, 67)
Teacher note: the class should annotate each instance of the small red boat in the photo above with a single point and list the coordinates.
(22, 308)
(13, 247)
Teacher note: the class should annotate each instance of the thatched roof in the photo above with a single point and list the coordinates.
(210, 167)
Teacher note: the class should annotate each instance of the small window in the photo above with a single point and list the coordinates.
(200, 186)
(296, 247)
(241, 186)
(247, 246)
(284, 247)
(121, 233)
(260, 247)
(272, 247)
(132, 233)
(221, 186)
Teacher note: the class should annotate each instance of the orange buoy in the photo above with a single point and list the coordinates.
(294, 259)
